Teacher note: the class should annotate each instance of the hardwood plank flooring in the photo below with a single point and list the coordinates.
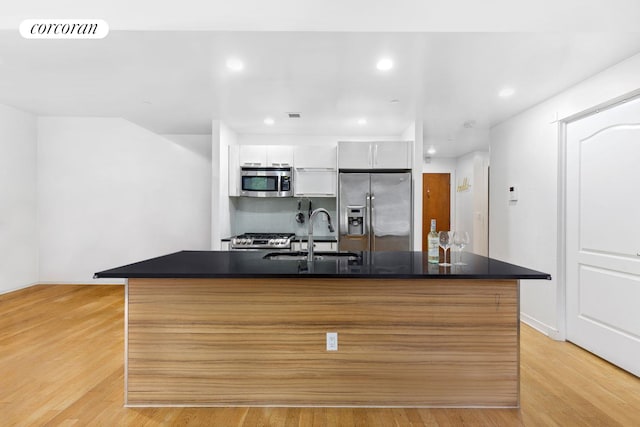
(61, 363)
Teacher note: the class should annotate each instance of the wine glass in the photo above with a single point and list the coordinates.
(446, 239)
(460, 240)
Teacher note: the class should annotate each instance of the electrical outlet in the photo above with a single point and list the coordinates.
(332, 341)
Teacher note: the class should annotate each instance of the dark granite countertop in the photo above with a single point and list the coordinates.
(406, 265)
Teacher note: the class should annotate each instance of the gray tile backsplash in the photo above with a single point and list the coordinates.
(251, 215)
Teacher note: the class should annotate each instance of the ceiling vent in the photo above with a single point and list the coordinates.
(294, 115)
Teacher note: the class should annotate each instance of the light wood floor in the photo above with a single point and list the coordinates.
(61, 363)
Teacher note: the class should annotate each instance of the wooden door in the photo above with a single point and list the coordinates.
(603, 235)
(436, 203)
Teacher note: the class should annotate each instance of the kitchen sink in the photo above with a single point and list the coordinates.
(317, 256)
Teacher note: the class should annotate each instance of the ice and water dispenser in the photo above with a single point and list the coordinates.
(355, 220)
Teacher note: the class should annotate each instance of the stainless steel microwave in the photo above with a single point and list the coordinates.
(266, 182)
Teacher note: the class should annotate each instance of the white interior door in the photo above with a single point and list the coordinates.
(603, 234)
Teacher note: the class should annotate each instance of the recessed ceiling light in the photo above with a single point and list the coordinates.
(506, 92)
(384, 64)
(431, 151)
(269, 121)
(362, 122)
(235, 64)
(394, 101)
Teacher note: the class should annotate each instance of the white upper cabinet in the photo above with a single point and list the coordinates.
(253, 155)
(392, 155)
(315, 171)
(315, 157)
(280, 155)
(266, 155)
(375, 155)
(354, 155)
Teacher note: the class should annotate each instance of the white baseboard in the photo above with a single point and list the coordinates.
(83, 282)
(6, 291)
(115, 282)
(541, 327)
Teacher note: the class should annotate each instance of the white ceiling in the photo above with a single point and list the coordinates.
(176, 81)
(338, 15)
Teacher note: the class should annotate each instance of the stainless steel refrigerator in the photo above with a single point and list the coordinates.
(375, 211)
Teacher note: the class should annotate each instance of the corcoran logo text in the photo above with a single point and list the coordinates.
(64, 29)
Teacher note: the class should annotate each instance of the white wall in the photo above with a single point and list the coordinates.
(472, 204)
(469, 209)
(227, 210)
(111, 193)
(414, 132)
(464, 198)
(18, 213)
(217, 152)
(526, 152)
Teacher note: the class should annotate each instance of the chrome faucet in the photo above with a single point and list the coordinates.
(310, 237)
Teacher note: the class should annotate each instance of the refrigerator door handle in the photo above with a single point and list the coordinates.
(372, 235)
(367, 202)
(367, 221)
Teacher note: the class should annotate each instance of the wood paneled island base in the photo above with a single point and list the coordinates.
(255, 342)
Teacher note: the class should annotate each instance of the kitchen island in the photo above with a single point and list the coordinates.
(207, 328)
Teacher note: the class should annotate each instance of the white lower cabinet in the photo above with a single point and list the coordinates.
(225, 245)
(315, 172)
(315, 183)
(318, 246)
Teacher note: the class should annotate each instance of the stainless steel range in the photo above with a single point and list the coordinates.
(262, 241)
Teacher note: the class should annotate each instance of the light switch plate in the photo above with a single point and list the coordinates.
(332, 341)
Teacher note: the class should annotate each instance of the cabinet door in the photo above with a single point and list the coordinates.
(315, 183)
(326, 246)
(279, 155)
(391, 155)
(354, 155)
(317, 246)
(253, 155)
(315, 157)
